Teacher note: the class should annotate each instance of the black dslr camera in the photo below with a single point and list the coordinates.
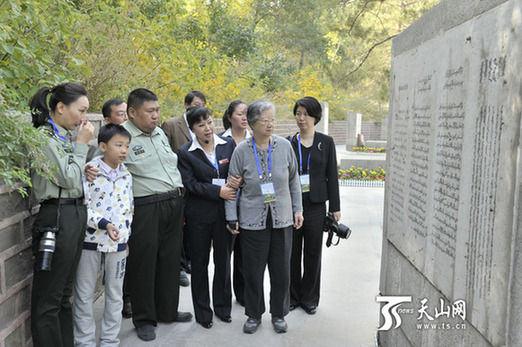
(46, 247)
(330, 226)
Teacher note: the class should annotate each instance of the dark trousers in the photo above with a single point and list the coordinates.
(259, 248)
(201, 237)
(305, 285)
(239, 282)
(51, 313)
(153, 262)
(185, 249)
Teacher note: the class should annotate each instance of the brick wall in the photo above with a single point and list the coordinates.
(16, 265)
(337, 130)
(371, 131)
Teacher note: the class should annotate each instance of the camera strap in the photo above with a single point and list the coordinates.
(59, 208)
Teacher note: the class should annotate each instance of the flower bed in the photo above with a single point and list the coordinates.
(369, 149)
(360, 174)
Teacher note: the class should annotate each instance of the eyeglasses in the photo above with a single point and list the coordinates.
(265, 122)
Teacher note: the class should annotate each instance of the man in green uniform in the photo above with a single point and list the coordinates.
(155, 242)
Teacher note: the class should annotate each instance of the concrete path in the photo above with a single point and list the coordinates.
(347, 315)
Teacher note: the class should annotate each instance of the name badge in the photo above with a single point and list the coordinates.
(218, 181)
(305, 183)
(268, 192)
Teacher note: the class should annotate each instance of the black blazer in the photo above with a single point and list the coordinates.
(324, 184)
(197, 172)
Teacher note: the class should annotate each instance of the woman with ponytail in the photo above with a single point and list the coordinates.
(59, 227)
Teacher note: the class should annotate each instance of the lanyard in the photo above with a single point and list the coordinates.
(301, 156)
(215, 163)
(56, 130)
(269, 160)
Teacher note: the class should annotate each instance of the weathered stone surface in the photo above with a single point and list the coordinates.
(354, 128)
(11, 204)
(322, 126)
(9, 236)
(452, 205)
(16, 338)
(18, 267)
(28, 335)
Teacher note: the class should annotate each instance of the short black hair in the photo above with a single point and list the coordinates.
(194, 94)
(106, 108)
(228, 112)
(108, 131)
(138, 96)
(312, 106)
(197, 114)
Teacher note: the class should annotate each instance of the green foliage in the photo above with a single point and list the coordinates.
(20, 152)
(337, 51)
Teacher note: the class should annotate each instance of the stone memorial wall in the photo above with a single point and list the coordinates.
(452, 205)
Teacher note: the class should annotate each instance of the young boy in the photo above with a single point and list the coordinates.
(110, 208)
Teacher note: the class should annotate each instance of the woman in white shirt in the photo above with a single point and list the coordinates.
(236, 124)
(235, 121)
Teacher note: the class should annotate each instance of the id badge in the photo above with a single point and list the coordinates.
(268, 192)
(218, 181)
(305, 183)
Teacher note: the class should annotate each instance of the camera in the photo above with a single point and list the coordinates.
(46, 247)
(330, 226)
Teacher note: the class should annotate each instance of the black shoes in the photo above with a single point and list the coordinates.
(226, 319)
(206, 325)
(183, 279)
(146, 332)
(279, 324)
(293, 307)
(126, 311)
(309, 309)
(251, 325)
(183, 317)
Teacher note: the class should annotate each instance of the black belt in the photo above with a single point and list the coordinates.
(143, 200)
(63, 201)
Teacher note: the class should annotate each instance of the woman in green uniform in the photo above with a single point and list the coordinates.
(59, 228)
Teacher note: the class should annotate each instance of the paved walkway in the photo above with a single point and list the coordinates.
(347, 315)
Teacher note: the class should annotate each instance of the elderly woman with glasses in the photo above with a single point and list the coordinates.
(269, 206)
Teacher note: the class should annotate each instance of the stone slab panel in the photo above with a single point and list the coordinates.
(515, 293)
(442, 331)
(322, 126)
(452, 158)
(354, 126)
(442, 17)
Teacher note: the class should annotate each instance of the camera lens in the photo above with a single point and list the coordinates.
(343, 231)
(47, 246)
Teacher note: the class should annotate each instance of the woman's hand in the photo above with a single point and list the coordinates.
(227, 193)
(234, 181)
(235, 229)
(337, 215)
(85, 132)
(298, 220)
(91, 173)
